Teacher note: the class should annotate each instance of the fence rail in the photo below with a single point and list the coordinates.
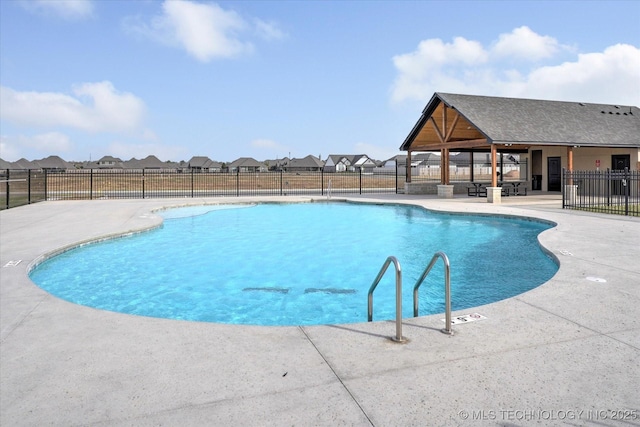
(608, 191)
(20, 187)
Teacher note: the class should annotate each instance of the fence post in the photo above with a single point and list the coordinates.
(627, 186)
(29, 186)
(192, 183)
(396, 163)
(143, 183)
(281, 181)
(238, 182)
(609, 185)
(562, 186)
(91, 184)
(46, 185)
(322, 182)
(7, 187)
(360, 171)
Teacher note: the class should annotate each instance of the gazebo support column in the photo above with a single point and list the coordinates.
(570, 189)
(494, 193)
(445, 189)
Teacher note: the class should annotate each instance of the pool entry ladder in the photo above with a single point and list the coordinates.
(447, 289)
(398, 338)
(447, 293)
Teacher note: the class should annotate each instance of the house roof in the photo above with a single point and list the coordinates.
(467, 121)
(149, 162)
(307, 162)
(352, 158)
(245, 162)
(5, 165)
(112, 159)
(277, 162)
(203, 162)
(53, 162)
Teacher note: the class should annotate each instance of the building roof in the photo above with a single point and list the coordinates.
(5, 165)
(203, 162)
(308, 162)
(149, 162)
(53, 162)
(245, 162)
(467, 121)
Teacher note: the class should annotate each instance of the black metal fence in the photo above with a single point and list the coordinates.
(608, 191)
(20, 187)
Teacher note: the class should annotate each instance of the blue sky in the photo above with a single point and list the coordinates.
(84, 79)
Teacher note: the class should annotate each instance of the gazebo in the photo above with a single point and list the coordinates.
(608, 136)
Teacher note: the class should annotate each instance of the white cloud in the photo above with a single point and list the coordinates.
(205, 31)
(267, 144)
(268, 30)
(436, 61)
(525, 44)
(13, 148)
(96, 107)
(66, 9)
(466, 67)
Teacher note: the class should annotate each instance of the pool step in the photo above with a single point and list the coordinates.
(329, 291)
(269, 289)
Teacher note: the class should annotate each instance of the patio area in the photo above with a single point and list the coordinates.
(566, 352)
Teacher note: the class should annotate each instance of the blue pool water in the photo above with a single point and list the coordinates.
(299, 264)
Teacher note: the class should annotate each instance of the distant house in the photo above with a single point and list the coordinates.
(277, 164)
(5, 165)
(399, 160)
(246, 164)
(149, 162)
(307, 164)
(53, 164)
(422, 164)
(109, 162)
(204, 164)
(24, 164)
(349, 163)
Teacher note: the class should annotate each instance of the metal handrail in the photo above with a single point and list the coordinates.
(398, 337)
(447, 289)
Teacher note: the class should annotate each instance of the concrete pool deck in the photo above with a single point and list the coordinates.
(567, 352)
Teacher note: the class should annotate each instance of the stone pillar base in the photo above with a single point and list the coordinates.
(445, 191)
(494, 195)
(571, 194)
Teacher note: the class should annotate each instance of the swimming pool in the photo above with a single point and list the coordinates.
(298, 264)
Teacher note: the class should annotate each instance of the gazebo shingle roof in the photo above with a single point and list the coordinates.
(538, 122)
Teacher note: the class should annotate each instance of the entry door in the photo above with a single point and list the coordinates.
(554, 174)
(618, 163)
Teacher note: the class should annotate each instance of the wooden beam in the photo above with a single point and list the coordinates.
(442, 166)
(438, 132)
(452, 145)
(408, 167)
(447, 172)
(494, 175)
(444, 121)
(453, 126)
